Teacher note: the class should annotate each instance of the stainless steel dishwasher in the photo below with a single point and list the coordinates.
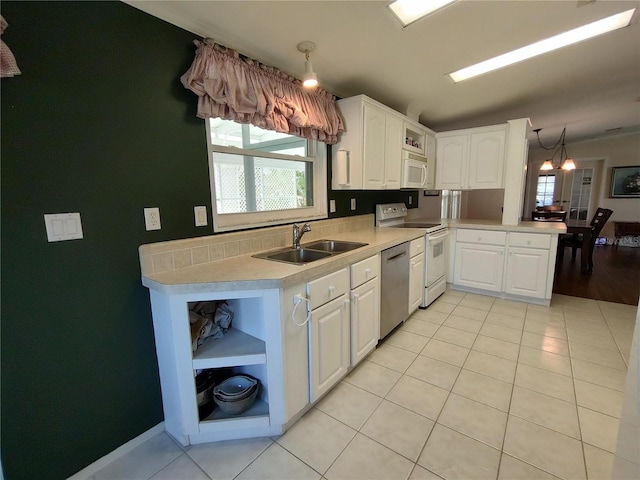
(394, 288)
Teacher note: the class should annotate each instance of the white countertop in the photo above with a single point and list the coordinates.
(245, 272)
(526, 227)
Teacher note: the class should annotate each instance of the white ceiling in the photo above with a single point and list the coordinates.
(591, 88)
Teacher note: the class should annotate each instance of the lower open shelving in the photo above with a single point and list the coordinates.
(256, 416)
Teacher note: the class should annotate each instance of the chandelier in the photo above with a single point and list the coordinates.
(566, 162)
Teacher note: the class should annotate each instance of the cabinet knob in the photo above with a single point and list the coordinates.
(367, 271)
(331, 288)
(528, 242)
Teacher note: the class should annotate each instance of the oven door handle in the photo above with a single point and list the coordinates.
(437, 236)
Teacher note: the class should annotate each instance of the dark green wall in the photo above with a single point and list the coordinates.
(98, 123)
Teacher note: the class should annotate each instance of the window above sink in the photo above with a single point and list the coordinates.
(261, 177)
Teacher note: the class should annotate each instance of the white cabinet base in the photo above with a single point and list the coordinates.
(507, 296)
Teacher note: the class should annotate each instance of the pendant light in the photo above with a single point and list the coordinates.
(566, 162)
(309, 79)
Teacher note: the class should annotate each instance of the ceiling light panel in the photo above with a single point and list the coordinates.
(565, 39)
(408, 11)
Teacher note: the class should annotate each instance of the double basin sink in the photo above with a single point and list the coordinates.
(310, 252)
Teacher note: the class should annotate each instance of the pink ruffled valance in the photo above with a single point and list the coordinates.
(8, 65)
(233, 87)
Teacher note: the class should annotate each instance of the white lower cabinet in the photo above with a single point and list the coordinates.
(479, 259)
(329, 331)
(416, 273)
(515, 263)
(365, 308)
(526, 272)
(298, 341)
(527, 265)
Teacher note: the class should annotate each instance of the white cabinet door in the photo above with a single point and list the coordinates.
(416, 282)
(486, 159)
(365, 319)
(394, 134)
(479, 266)
(471, 160)
(452, 164)
(328, 345)
(374, 147)
(527, 272)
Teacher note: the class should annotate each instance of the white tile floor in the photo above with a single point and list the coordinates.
(471, 388)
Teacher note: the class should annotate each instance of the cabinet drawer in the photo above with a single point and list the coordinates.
(365, 270)
(416, 246)
(485, 237)
(532, 240)
(326, 288)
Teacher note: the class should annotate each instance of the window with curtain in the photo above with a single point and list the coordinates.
(266, 139)
(545, 189)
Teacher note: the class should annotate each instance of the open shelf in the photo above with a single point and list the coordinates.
(414, 139)
(234, 348)
(256, 416)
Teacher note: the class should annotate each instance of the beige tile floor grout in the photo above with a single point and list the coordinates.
(489, 389)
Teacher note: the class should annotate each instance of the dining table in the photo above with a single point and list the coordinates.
(583, 227)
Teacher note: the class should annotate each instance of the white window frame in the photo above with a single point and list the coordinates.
(227, 222)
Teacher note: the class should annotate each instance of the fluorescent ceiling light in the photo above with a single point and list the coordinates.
(576, 35)
(408, 11)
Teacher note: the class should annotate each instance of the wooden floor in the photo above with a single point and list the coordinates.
(615, 277)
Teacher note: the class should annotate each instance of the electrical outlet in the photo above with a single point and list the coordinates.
(332, 206)
(353, 204)
(201, 216)
(152, 218)
(410, 200)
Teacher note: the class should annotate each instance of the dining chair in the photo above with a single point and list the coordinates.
(575, 241)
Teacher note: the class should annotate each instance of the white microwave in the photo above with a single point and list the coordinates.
(414, 170)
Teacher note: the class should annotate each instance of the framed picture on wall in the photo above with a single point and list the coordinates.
(625, 182)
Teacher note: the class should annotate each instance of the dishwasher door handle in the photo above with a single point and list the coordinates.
(401, 254)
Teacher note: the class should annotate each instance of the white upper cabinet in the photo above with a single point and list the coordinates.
(486, 159)
(382, 149)
(471, 159)
(369, 153)
(453, 160)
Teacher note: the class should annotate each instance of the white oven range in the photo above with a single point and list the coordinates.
(393, 215)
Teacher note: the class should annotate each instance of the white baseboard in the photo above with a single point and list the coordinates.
(92, 469)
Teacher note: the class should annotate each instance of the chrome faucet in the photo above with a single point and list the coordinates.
(298, 233)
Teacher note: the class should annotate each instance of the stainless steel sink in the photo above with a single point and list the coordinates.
(311, 252)
(291, 255)
(334, 246)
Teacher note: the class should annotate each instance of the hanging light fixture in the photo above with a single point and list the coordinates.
(309, 79)
(566, 162)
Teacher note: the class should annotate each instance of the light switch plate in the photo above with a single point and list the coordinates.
(201, 216)
(152, 218)
(332, 206)
(63, 226)
(353, 204)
